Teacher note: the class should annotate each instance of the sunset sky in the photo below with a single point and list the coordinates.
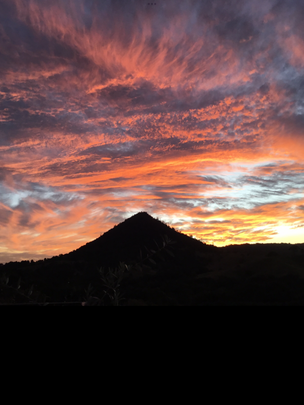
(190, 110)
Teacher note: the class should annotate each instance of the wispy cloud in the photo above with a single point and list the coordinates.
(191, 110)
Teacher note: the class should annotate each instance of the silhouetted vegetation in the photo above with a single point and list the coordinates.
(142, 261)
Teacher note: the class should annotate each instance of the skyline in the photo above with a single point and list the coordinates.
(189, 110)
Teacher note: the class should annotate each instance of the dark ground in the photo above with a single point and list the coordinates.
(144, 262)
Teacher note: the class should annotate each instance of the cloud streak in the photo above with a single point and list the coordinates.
(192, 111)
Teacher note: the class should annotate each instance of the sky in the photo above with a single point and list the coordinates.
(192, 111)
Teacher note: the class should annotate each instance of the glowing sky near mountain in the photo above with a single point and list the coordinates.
(189, 110)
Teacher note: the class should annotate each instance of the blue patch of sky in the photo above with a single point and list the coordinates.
(13, 198)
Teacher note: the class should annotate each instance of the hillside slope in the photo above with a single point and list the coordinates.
(139, 234)
(164, 267)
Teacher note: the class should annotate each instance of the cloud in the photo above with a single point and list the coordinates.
(192, 111)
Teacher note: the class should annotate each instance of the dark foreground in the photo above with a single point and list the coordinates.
(143, 262)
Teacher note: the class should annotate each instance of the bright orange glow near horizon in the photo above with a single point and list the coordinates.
(190, 110)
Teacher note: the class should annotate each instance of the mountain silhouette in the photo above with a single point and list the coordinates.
(135, 237)
(150, 263)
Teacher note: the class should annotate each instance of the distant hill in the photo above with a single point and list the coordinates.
(143, 261)
(140, 233)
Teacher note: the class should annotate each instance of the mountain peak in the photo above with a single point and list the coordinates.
(127, 239)
(141, 214)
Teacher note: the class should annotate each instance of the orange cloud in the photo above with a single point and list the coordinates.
(191, 113)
